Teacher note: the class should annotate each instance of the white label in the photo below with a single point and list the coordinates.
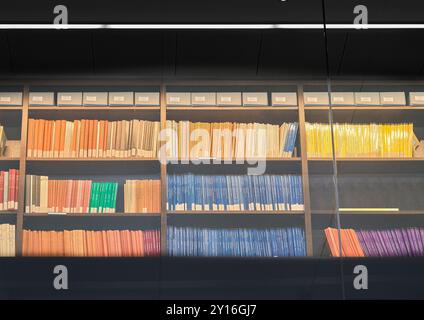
(91, 98)
(252, 99)
(175, 99)
(281, 99)
(388, 99)
(312, 99)
(200, 98)
(57, 213)
(119, 98)
(143, 99)
(338, 99)
(226, 99)
(37, 98)
(419, 98)
(66, 98)
(5, 99)
(365, 99)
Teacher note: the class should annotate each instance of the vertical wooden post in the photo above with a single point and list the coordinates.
(305, 173)
(22, 173)
(163, 176)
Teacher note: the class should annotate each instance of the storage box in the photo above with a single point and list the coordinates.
(69, 99)
(41, 99)
(95, 99)
(367, 98)
(316, 99)
(284, 99)
(178, 99)
(228, 98)
(147, 99)
(342, 99)
(255, 99)
(392, 98)
(121, 99)
(416, 98)
(203, 98)
(10, 98)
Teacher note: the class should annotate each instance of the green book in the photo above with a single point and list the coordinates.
(114, 195)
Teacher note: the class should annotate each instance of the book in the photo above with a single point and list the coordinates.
(87, 243)
(234, 192)
(227, 140)
(360, 140)
(3, 140)
(240, 242)
(9, 182)
(376, 243)
(142, 196)
(91, 138)
(7, 240)
(44, 195)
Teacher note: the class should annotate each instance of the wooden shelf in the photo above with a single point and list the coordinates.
(11, 108)
(233, 108)
(56, 108)
(364, 108)
(90, 159)
(9, 159)
(93, 215)
(8, 213)
(240, 213)
(362, 213)
(368, 159)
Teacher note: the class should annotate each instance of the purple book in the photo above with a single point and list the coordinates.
(395, 243)
(401, 243)
(363, 243)
(376, 238)
(407, 242)
(373, 244)
(388, 241)
(413, 241)
(419, 241)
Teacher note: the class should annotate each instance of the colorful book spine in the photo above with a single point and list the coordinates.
(360, 140)
(88, 138)
(228, 141)
(7, 240)
(9, 182)
(234, 192)
(407, 242)
(142, 196)
(44, 195)
(204, 242)
(85, 243)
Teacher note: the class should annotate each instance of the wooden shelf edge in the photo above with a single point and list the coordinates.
(91, 159)
(364, 108)
(241, 213)
(233, 108)
(57, 108)
(95, 215)
(366, 159)
(398, 213)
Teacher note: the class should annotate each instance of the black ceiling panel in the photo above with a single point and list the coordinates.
(51, 51)
(377, 53)
(217, 53)
(5, 61)
(293, 53)
(137, 52)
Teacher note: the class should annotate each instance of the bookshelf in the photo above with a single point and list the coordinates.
(300, 164)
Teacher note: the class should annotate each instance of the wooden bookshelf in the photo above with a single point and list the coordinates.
(301, 164)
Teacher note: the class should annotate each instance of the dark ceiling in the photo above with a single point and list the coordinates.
(212, 53)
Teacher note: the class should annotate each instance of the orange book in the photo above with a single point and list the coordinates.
(74, 140)
(95, 140)
(62, 138)
(101, 139)
(105, 244)
(24, 243)
(57, 129)
(142, 244)
(31, 134)
(82, 138)
(46, 139)
(40, 138)
(90, 138)
(66, 243)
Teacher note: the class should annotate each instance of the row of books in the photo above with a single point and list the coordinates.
(226, 140)
(7, 240)
(9, 182)
(44, 195)
(183, 241)
(377, 243)
(3, 140)
(142, 196)
(234, 192)
(83, 243)
(360, 140)
(92, 138)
